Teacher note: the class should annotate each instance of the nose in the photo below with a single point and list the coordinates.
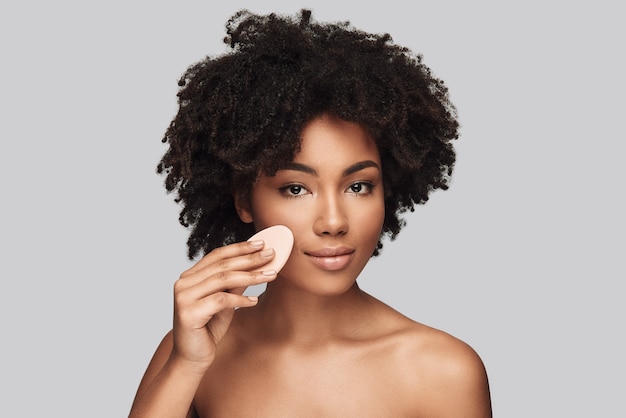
(331, 217)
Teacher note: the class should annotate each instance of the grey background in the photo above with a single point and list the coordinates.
(521, 258)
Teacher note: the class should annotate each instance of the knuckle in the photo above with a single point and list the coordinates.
(223, 264)
(220, 299)
(221, 276)
(179, 285)
(180, 298)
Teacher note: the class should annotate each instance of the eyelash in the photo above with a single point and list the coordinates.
(369, 186)
(287, 190)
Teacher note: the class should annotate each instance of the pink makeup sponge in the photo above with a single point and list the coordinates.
(280, 238)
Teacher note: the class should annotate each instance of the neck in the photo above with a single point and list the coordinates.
(301, 317)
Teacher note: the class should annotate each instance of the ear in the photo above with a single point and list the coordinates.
(242, 205)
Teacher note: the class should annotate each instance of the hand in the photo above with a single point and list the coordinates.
(206, 295)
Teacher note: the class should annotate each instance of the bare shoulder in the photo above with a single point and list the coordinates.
(444, 373)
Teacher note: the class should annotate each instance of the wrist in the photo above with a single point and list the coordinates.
(179, 364)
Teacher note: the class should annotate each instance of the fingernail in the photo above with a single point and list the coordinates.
(269, 272)
(267, 252)
(253, 298)
(256, 243)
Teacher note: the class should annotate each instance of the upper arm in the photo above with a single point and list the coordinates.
(159, 358)
(460, 384)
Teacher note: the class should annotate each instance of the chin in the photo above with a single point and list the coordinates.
(319, 282)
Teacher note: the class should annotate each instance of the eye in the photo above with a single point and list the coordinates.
(293, 190)
(361, 187)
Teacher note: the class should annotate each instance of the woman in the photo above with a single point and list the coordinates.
(334, 133)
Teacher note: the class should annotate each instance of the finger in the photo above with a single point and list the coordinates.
(200, 313)
(243, 263)
(225, 252)
(238, 290)
(235, 282)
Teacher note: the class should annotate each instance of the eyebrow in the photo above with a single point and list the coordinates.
(361, 165)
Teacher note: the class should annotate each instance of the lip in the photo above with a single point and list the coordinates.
(331, 259)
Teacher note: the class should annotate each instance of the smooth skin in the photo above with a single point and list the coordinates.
(313, 344)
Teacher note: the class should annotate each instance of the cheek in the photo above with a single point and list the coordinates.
(267, 213)
(375, 218)
(368, 220)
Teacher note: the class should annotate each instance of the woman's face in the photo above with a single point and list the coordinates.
(331, 197)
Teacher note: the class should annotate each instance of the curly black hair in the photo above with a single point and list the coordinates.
(241, 114)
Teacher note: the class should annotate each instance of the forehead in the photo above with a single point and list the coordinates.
(328, 139)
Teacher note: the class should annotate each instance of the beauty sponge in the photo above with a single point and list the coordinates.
(280, 238)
